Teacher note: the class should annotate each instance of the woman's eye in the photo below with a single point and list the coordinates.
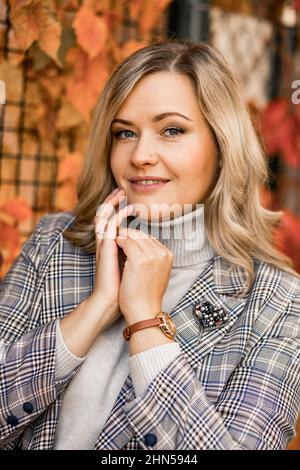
(118, 133)
(177, 130)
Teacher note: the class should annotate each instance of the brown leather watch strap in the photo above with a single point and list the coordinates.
(140, 325)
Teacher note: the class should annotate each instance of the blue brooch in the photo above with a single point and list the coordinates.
(209, 316)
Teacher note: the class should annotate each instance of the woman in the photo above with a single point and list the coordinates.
(226, 373)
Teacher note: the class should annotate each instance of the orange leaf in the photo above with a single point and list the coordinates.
(12, 76)
(9, 237)
(24, 22)
(87, 80)
(35, 20)
(68, 116)
(50, 30)
(70, 167)
(18, 208)
(91, 31)
(130, 47)
(135, 7)
(150, 14)
(104, 6)
(266, 198)
(14, 43)
(6, 218)
(65, 197)
(53, 86)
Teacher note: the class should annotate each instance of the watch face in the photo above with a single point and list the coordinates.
(168, 326)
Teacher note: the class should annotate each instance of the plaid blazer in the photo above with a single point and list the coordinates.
(232, 387)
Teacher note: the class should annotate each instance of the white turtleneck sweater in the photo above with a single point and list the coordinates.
(90, 396)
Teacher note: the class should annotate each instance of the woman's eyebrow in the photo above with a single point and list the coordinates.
(156, 118)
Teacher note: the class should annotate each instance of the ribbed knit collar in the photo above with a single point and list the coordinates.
(184, 235)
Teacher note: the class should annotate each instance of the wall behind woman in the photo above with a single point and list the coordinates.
(54, 62)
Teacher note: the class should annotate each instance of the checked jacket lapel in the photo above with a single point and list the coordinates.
(220, 284)
(221, 287)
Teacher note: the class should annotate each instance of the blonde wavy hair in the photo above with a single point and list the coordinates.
(238, 227)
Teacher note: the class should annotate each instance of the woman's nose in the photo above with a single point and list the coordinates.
(144, 152)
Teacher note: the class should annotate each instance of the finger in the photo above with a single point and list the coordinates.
(115, 192)
(140, 238)
(107, 208)
(140, 235)
(116, 220)
(157, 242)
(101, 227)
(105, 212)
(133, 233)
(129, 246)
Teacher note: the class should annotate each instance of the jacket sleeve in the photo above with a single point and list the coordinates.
(28, 383)
(257, 409)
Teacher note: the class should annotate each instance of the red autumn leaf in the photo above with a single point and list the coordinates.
(297, 5)
(290, 141)
(35, 20)
(91, 31)
(280, 130)
(272, 120)
(297, 112)
(291, 146)
(86, 82)
(287, 237)
(18, 208)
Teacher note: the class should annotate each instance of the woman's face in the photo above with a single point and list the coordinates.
(150, 138)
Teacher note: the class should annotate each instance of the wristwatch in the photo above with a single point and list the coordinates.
(163, 320)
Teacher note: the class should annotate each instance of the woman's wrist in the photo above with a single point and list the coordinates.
(141, 312)
(81, 327)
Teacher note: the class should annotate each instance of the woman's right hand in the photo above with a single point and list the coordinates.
(107, 272)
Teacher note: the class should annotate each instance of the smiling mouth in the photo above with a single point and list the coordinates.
(142, 186)
(148, 182)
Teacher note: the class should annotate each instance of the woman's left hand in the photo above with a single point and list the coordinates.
(145, 275)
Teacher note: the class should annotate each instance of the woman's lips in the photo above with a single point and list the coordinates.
(141, 188)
